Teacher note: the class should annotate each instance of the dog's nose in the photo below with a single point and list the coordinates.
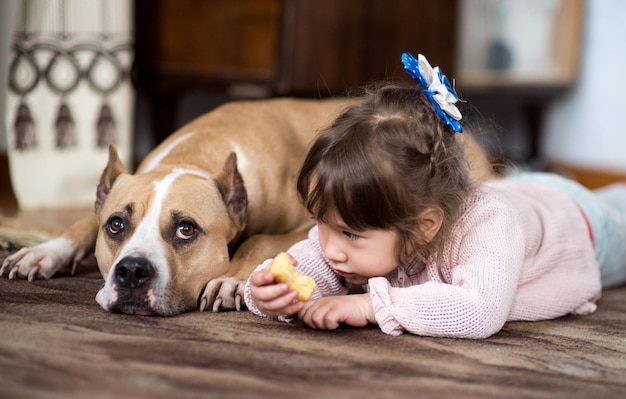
(133, 272)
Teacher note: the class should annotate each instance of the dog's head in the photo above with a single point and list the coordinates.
(163, 235)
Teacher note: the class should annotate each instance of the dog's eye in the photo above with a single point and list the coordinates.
(185, 230)
(116, 225)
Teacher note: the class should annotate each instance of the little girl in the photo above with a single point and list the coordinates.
(406, 240)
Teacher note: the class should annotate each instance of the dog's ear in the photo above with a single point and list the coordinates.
(230, 184)
(113, 169)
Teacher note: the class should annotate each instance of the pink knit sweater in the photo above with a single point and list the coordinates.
(519, 252)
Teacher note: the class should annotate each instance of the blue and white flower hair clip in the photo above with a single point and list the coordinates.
(437, 88)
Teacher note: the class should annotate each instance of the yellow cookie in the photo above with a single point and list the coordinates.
(284, 271)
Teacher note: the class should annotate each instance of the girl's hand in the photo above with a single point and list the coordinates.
(328, 312)
(272, 298)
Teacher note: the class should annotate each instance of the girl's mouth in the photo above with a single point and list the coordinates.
(344, 274)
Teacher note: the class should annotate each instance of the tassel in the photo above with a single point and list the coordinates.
(106, 129)
(65, 129)
(24, 128)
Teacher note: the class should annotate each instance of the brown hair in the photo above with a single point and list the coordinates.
(383, 161)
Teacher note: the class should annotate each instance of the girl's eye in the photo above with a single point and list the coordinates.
(185, 230)
(350, 236)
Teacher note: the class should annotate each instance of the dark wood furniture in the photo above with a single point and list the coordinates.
(310, 48)
(318, 48)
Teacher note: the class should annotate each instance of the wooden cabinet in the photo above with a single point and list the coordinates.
(304, 47)
(330, 46)
(317, 48)
(186, 44)
(310, 48)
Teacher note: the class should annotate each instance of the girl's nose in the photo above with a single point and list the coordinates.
(333, 251)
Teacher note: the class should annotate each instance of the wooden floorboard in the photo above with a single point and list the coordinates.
(56, 342)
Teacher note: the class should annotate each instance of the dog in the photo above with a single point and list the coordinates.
(204, 208)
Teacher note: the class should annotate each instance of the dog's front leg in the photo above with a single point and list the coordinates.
(226, 292)
(223, 293)
(46, 259)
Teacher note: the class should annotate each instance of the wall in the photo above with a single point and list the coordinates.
(7, 15)
(69, 98)
(586, 128)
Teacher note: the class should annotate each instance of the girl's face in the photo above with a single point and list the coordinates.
(357, 256)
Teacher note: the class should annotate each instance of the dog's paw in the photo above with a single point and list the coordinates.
(40, 261)
(223, 293)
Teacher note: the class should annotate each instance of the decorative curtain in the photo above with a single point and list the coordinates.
(69, 97)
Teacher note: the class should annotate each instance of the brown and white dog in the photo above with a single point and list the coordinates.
(203, 210)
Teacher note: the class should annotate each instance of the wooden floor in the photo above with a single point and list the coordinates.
(56, 342)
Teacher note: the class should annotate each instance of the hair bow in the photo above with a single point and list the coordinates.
(437, 88)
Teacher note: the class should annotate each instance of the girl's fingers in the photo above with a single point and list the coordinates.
(283, 305)
(307, 315)
(282, 301)
(319, 314)
(268, 293)
(273, 298)
(261, 278)
(291, 309)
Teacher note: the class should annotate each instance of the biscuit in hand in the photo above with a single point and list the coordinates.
(284, 271)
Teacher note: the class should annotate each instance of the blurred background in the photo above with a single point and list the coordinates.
(542, 79)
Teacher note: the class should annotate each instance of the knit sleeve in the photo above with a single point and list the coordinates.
(470, 296)
(311, 262)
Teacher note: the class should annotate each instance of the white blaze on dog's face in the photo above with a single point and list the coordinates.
(161, 239)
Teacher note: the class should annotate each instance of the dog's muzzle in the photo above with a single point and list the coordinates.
(133, 273)
(133, 277)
